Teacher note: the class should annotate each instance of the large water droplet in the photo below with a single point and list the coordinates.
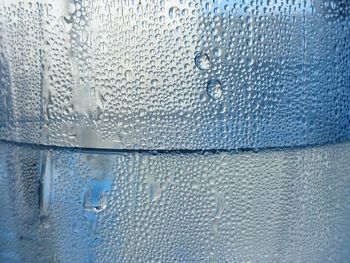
(202, 61)
(174, 11)
(214, 89)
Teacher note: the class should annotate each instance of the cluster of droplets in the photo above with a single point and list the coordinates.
(175, 75)
(333, 10)
(174, 207)
(21, 69)
(214, 89)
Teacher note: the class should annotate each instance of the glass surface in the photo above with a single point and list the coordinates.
(281, 205)
(175, 131)
(156, 74)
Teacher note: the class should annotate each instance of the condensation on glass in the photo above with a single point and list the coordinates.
(142, 74)
(271, 206)
(174, 131)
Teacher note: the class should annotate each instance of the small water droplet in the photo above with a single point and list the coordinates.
(250, 61)
(202, 61)
(214, 89)
(184, 12)
(154, 82)
(195, 185)
(217, 52)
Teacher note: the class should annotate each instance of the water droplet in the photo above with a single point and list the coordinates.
(195, 185)
(173, 12)
(214, 89)
(128, 75)
(154, 82)
(228, 57)
(250, 61)
(202, 61)
(218, 52)
(184, 12)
